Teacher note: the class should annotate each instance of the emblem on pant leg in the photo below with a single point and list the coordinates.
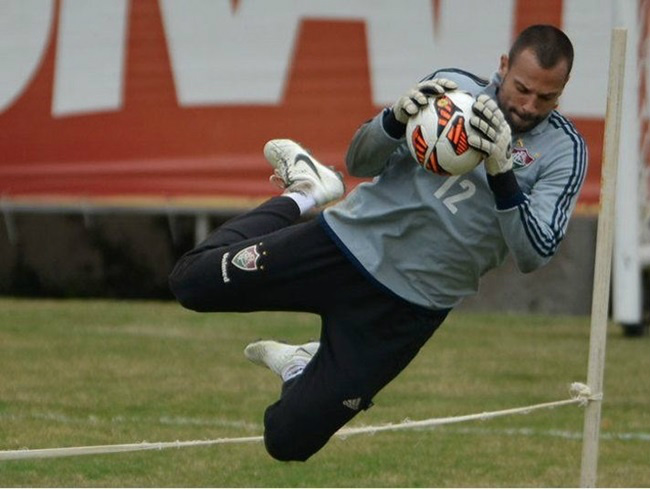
(247, 259)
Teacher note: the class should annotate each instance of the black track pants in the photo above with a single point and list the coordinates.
(263, 261)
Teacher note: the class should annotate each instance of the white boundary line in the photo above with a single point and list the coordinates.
(580, 395)
(93, 419)
(640, 436)
(532, 432)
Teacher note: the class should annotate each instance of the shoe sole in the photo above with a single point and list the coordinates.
(254, 352)
(257, 351)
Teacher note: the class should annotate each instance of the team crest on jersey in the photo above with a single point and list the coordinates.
(521, 157)
(247, 259)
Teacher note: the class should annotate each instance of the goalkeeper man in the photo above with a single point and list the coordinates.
(384, 266)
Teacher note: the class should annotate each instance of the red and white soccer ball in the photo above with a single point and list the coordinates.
(437, 135)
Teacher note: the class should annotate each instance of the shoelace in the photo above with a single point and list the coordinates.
(281, 179)
(277, 180)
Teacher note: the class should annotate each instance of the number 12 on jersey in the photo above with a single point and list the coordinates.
(456, 195)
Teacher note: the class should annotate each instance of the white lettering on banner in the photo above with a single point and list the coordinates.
(472, 35)
(585, 94)
(89, 72)
(404, 45)
(220, 56)
(24, 33)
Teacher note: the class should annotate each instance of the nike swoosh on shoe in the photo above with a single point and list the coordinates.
(309, 162)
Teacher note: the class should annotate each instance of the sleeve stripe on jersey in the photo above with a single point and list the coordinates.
(560, 214)
(579, 170)
(546, 243)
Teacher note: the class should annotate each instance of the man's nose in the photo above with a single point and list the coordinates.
(529, 104)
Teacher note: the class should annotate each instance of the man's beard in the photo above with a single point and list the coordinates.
(523, 123)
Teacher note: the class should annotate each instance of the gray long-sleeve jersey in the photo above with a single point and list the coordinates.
(430, 238)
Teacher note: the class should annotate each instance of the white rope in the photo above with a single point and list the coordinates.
(129, 447)
(580, 394)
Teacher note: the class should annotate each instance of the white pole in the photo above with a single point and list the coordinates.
(627, 285)
(603, 262)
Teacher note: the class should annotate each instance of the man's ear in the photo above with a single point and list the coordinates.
(503, 65)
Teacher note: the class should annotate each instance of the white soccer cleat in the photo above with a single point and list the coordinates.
(297, 171)
(287, 361)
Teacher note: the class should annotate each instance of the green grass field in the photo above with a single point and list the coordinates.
(77, 373)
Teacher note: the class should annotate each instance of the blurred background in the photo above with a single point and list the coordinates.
(130, 128)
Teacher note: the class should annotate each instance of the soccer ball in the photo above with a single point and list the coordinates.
(437, 135)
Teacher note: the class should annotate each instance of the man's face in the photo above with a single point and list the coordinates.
(528, 92)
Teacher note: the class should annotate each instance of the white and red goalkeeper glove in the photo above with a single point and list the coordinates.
(493, 136)
(417, 97)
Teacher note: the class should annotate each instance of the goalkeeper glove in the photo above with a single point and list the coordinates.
(493, 136)
(410, 103)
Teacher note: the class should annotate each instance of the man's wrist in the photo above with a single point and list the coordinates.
(506, 190)
(392, 126)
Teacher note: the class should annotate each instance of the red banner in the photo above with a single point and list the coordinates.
(157, 139)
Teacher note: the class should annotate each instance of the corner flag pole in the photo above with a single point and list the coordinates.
(603, 262)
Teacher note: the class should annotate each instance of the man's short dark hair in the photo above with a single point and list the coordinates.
(550, 45)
